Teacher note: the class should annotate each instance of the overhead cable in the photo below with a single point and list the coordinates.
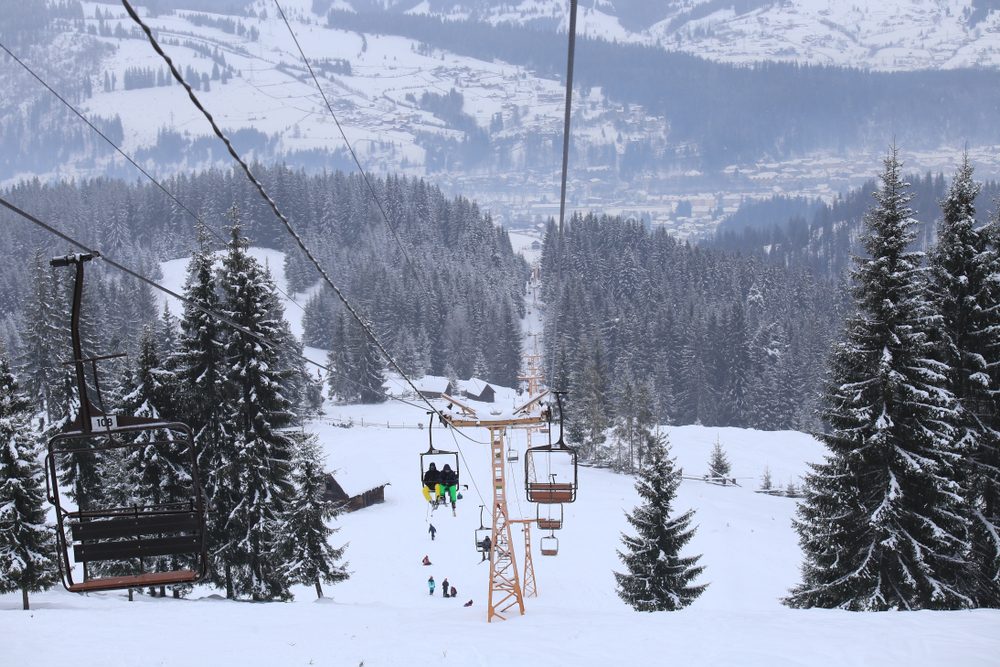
(347, 143)
(125, 155)
(188, 302)
(365, 327)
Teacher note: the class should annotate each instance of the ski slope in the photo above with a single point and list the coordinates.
(383, 615)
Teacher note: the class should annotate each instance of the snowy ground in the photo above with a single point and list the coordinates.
(383, 615)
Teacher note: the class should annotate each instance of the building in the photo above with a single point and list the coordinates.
(335, 492)
(433, 386)
(478, 390)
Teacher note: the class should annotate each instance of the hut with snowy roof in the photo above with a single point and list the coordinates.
(478, 390)
(433, 386)
(370, 496)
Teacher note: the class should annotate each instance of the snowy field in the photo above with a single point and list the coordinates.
(383, 615)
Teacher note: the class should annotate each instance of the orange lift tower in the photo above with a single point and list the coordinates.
(505, 585)
(535, 380)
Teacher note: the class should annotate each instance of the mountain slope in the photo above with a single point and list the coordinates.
(662, 136)
(896, 35)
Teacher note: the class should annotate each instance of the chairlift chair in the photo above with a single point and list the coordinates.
(126, 538)
(482, 533)
(439, 457)
(123, 539)
(512, 455)
(549, 516)
(549, 545)
(555, 487)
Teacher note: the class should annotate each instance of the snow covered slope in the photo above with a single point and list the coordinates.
(383, 616)
(892, 35)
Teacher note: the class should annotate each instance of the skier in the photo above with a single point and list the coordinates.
(426, 561)
(430, 585)
(431, 479)
(432, 530)
(445, 590)
(454, 593)
(487, 546)
(468, 604)
(448, 486)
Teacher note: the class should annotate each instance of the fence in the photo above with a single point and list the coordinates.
(350, 422)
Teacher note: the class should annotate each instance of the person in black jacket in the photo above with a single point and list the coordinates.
(431, 479)
(449, 485)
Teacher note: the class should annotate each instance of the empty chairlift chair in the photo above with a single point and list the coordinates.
(549, 545)
(135, 546)
(550, 471)
(549, 516)
(106, 545)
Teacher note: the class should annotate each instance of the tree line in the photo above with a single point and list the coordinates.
(793, 231)
(440, 282)
(643, 329)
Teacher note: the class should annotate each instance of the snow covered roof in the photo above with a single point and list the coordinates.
(476, 386)
(432, 383)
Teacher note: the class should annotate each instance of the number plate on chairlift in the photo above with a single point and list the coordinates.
(104, 422)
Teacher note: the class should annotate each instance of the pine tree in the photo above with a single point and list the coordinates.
(954, 283)
(635, 418)
(982, 462)
(308, 557)
(259, 479)
(589, 405)
(204, 398)
(965, 294)
(40, 357)
(154, 473)
(658, 577)
(343, 387)
(369, 369)
(881, 525)
(27, 544)
(718, 463)
(766, 484)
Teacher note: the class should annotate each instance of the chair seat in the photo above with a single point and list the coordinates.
(135, 581)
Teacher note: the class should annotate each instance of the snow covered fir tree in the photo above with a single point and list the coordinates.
(718, 463)
(27, 543)
(965, 290)
(152, 470)
(258, 483)
(658, 577)
(308, 556)
(882, 525)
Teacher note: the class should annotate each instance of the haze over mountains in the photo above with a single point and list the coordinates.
(897, 35)
(470, 95)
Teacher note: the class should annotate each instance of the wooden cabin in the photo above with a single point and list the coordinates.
(431, 386)
(335, 492)
(478, 390)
